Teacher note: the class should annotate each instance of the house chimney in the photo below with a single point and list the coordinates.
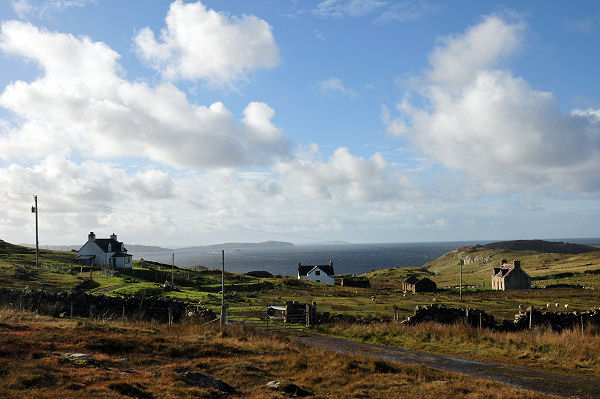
(113, 236)
(91, 236)
(517, 264)
(299, 264)
(504, 262)
(330, 262)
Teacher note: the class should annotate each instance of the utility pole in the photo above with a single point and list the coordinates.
(223, 277)
(34, 209)
(461, 265)
(223, 312)
(172, 268)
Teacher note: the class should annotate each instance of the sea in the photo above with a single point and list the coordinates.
(283, 260)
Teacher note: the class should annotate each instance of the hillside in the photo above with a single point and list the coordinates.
(540, 246)
(545, 261)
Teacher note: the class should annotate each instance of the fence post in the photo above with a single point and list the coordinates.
(267, 314)
(71, 309)
(123, 312)
(308, 315)
(530, 317)
(480, 317)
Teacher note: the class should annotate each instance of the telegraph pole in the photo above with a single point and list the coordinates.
(172, 268)
(223, 312)
(34, 209)
(461, 265)
(223, 277)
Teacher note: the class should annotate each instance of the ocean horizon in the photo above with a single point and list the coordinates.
(346, 258)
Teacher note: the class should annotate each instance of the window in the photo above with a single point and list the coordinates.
(318, 273)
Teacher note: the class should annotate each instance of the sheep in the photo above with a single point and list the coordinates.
(557, 304)
(566, 306)
(548, 306)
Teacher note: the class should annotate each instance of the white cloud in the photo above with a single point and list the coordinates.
(203, 44)
(81, 104)
(344, 177)
(42, 8)
(335, 85)
(506, 135)
(346, 8)
(407, 11)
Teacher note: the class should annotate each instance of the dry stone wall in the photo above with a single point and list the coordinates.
(77, 303)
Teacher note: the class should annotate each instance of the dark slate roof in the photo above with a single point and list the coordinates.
(327, 269)
(303, 270)
(412, 279)
(103, 244)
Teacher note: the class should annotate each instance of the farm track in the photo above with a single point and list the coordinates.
(520, 377)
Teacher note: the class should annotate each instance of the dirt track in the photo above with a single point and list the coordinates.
(526, 378)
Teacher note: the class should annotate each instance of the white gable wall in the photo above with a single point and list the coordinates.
(91, 248)
(318, 276)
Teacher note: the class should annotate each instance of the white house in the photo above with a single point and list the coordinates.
(104, 252)
(317, 273)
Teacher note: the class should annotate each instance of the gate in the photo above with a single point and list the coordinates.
(272, 316)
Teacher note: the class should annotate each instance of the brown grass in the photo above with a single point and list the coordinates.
(145, 360)
(567, 352)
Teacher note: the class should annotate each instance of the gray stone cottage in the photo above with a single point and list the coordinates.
(510, 277)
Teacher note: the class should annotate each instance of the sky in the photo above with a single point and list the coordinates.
(178, 123)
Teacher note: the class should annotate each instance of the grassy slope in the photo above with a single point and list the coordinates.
(205, 285)
(542, 267)
(145, 360)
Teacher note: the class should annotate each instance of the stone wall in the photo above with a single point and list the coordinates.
(558, 321)
(76, 303)
(442, 314)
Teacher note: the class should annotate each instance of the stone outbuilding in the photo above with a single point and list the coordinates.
(415, 284)
(510, 277)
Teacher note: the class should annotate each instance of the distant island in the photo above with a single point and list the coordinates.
(133, 248)
(239, 245)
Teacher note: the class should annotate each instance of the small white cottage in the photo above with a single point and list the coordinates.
(107, 252)
(317, 273)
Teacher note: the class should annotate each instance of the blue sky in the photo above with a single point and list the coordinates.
(181, 123)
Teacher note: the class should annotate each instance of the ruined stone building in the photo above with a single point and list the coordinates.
(415, 284)
(510, 277)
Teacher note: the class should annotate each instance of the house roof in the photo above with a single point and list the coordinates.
(103, 244)
(305, 270)
(327, 269)
(412, 279)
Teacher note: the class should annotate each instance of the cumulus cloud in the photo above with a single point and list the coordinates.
(346, 8)
(481, 119)
(202, 44)
(335, 85)
(344, 177)
(88, 181)
(81, 104)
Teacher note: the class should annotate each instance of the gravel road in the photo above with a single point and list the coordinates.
(520, 377)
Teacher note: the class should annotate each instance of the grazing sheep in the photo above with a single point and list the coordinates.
(557, 304)
(548, 306)
(566, 306)
(373, 298)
